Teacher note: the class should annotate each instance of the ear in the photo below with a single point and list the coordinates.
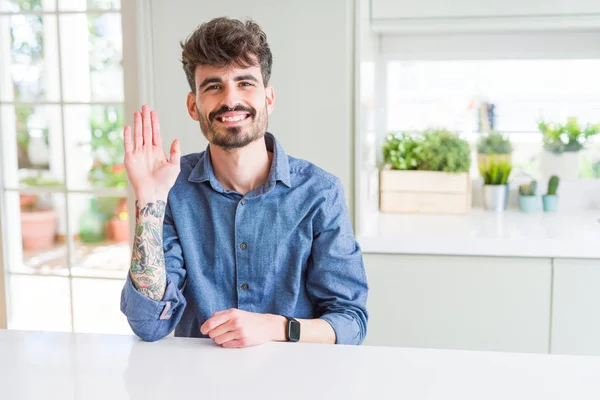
(270, 96)
(191, 106)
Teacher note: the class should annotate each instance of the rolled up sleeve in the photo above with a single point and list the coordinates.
(149, 319)
(336, 279)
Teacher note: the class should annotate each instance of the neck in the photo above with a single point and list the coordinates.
(242, 170)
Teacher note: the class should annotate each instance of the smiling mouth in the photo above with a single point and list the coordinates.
(232, 119)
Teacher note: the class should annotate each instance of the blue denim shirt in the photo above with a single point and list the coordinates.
(286, 248)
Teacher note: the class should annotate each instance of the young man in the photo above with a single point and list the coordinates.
(252, 245)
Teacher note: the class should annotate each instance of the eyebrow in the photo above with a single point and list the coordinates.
(238, 78)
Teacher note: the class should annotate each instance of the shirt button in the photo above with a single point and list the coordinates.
(243, 246)
(245, 287)
(243, 201)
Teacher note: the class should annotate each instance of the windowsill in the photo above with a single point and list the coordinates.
(485, 233)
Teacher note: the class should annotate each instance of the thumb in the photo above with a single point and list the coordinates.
(175, 152)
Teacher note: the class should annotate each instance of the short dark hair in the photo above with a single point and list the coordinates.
(223, 42)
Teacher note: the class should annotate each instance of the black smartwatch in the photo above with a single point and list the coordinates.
(292, 330)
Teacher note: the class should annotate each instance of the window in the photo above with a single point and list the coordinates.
(63, 184)
(423, 94)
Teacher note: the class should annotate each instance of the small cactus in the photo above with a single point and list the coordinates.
(553, 185)
(529, 189)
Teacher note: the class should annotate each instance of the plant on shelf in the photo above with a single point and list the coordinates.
(493, 146)
(399, 151)
(495, 174)
(107, 150)
(443, 150)
(528, 200)
(562, 144)
(432, 150)
(421, 163)
(108, 170)
(565, 138)
(38, 217)
(119, 223)
(528, 189)
(550, 199)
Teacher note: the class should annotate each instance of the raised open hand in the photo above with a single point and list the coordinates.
(152, 175)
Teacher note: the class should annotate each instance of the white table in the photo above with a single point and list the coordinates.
(36, 365)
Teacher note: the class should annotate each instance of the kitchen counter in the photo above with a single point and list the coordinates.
(65, 366)
(485, 233)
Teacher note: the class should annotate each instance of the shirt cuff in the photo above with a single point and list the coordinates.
(138, 307)
(345, 328)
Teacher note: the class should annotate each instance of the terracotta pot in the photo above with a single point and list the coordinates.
(27, 200)
(108, 233)
(38, 229)
(120, 229)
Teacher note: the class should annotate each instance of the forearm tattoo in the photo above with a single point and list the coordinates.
(148, 259)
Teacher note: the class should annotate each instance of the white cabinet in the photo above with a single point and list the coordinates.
(576, 307)
(473, 303)
(400, 9)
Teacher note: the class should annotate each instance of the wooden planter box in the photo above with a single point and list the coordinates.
(425, 192)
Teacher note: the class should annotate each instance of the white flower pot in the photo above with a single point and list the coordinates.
(564, 165)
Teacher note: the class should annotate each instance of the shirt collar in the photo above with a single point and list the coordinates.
(280, 167)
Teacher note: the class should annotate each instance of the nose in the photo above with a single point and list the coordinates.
(230, 96)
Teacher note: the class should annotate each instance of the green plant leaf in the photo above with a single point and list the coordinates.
(494, 143)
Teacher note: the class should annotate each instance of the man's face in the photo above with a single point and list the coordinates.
(232, 105)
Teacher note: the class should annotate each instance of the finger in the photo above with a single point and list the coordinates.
(175, 152)
(137, 123)
(228, 326)
(235, 344)
(127, 143)
(226, 337)
(213, 322)
(147, 127)
(156, 138)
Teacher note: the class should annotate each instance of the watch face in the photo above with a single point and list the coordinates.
(294, 331)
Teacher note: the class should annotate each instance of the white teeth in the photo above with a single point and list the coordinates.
(234, 118)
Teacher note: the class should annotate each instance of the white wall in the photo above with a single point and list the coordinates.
(312, 74)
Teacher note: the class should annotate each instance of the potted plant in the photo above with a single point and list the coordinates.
(493, 146)
(119, 223)
(550, 199)
(562, 144)
(108, 170)
(425, 172)
(495, 175)
(528, 200)
(38, 225)
(38, 217)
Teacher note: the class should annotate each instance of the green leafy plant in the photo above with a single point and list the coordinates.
(495, 172)
(569, 137)
(432, 150)
(528, 189)
(107, 149)
(443, 150)
(553, 185)
(494, 143)
(399, 151)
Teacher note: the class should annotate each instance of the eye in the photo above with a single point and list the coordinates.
(213, 87)
(246, 84)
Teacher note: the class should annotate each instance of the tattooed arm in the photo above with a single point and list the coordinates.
(148, 259)
(151, 298)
